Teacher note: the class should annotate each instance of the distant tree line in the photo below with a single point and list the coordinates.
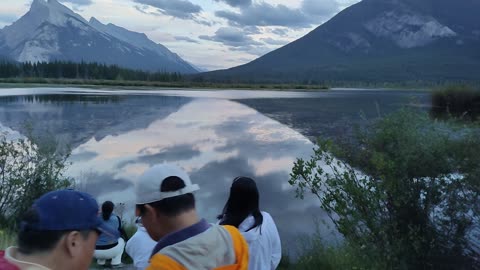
(82, 70)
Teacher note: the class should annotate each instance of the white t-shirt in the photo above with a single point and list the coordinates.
(140, 248)
(264, 246)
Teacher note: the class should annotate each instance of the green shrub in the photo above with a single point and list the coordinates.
(318, 255)
(7, 239)
(28, 169)
(408, 195)
(456, 101)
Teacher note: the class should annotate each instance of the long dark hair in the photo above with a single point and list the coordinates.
(244, 200)
(107, 209)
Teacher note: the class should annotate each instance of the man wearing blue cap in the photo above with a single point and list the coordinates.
(58, 232)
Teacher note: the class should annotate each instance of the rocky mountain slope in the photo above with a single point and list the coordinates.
(50, 31)
(378, 41)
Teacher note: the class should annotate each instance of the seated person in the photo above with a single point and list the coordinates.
(242, 210)
(110, 247)
(59, 232)
(140, 246)
(166, 204)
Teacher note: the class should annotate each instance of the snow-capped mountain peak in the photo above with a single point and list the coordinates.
(51, 31)
(58, 14)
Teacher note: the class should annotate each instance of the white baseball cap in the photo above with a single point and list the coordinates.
(148, 185)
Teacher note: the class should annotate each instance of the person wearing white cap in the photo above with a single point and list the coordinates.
(166, 204)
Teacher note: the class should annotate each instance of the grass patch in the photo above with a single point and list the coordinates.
(317, 255)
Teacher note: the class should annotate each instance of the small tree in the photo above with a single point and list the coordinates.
(405, 191)
(28, 169)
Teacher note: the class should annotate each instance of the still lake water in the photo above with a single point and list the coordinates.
(214, 135)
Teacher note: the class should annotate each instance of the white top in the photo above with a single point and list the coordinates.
(140, 247)
(264, 246)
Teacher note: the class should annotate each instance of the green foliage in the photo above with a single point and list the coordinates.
(317, 255)
(405, 190)
(457, 101)
(28, 168)
(7, 239)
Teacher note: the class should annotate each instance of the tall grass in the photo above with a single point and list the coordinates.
(316, 254)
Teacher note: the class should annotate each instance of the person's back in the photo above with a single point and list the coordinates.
(110, 247)
(242, 210)
(105, 239)
(139, 247)
(263, 243)
(217, 247)
(167, 207)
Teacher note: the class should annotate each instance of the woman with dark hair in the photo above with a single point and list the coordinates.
(242, 210)
(110, 247)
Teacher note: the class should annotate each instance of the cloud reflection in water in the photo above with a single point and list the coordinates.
(215, 141)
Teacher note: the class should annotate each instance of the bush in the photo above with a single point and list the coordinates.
(28, 169)
(456, 101)
(408, 196)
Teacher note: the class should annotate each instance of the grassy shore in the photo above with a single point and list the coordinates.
(42, 82)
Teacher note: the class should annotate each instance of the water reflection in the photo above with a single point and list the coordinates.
(215, 141)
(82, 117)
(61, 99)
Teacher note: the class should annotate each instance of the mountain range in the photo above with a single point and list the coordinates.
(50, 31)
(378, 40)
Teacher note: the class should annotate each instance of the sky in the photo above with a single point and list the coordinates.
(211, 34)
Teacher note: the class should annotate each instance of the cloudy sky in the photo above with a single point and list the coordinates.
(211, 34)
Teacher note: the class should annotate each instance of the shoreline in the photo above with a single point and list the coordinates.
(200, 86)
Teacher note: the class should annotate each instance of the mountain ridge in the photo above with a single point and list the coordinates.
(50, 31)
(376, 40)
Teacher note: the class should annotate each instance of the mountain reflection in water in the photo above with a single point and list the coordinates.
(116, 137)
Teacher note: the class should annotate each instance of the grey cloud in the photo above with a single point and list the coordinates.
(280, 31)
(320, 8)
(84, 156)
(187, 39)
(312, 12)
(97, 184)
(231, 37)
(254, 50)
(7, 18)
(263, 14)
(252, 30)
(181, 9)
(78, 2)
(236, 3)
(174, 153)
(248, 146)
(272, 41)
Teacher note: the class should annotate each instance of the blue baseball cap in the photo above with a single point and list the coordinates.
(68, 210)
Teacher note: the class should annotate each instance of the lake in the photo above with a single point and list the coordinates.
(214, 135)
